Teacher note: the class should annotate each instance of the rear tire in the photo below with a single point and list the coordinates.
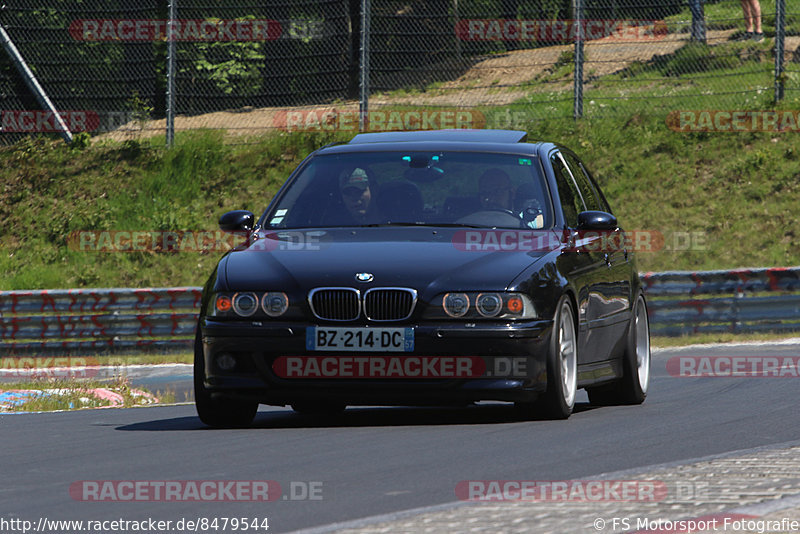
(632, 387)
(218, 412)
(558, 401)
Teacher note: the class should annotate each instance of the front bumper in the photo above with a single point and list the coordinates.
(450, 364)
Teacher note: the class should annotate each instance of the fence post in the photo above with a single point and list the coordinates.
(577, 110)
(455, 25)
(171, 72)
(780, 42)
(33, 83)
(363, 82)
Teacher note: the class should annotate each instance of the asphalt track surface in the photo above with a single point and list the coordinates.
(373, 461)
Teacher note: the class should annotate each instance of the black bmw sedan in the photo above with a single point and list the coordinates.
(425, 268)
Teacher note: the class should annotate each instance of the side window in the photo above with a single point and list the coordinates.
(571, 201)
(590, 196)
(600, 197)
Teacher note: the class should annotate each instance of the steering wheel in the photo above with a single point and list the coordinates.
(501, 210)
(492, 217)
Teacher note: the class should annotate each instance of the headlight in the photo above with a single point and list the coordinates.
(489, 304)
(275, 304)
(474, 305)
(251, 304)
(456, 304)
(245, 304)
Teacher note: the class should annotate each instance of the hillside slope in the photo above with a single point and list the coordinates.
(736, 194)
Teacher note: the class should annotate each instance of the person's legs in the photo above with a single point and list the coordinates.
(752, 20)
(755, 14)
(748, 17)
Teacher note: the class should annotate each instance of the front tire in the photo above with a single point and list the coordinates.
(217, 412)
(558, 400)
(632, 387)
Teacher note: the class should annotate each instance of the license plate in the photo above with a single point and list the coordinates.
(360, 339)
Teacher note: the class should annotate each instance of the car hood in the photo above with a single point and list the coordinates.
(429, 260)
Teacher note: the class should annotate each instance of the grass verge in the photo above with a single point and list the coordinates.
(51, 395)
(737, 192)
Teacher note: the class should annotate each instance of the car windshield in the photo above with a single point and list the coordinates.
(415, 188)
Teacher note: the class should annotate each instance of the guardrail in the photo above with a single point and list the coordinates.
(80, 321)
(98, 320)
(737, 301)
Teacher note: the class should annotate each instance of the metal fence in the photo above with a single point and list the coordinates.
(96, 321)
(738, 301)
(81, 321)
(124, 69)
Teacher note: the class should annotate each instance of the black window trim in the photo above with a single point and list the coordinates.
(557, 153)
(592, 183)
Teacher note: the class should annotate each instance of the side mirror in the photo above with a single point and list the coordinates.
(237, 221)
(596, 220)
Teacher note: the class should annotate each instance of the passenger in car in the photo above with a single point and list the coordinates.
(528, 206)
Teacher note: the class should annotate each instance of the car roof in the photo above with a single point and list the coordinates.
(461, 135)
(498, 141)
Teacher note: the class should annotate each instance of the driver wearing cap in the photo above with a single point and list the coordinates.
(357, 196)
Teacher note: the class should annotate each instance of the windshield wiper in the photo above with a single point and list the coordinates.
(423, 224)
(428, 225)
(387, 224)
